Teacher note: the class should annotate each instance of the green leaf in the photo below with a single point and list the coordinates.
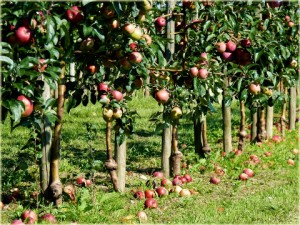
(51, 28)
(16, 109)
(5, 59)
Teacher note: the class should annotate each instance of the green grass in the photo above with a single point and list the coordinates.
(270, 197)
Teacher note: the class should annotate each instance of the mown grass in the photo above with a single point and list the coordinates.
(271, 196)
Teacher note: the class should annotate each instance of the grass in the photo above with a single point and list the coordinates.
(270, 197)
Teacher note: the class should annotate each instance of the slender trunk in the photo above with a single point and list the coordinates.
(146, 89)
(270, 118)
(72, 72)
(261, 136)
(110, 163)
(56, 186)
(170, 49)
(243, 132)
(46, 137)
(206, 148)
(176, 154)
(283, 114)
(292, 108)
(198, 140)
(226, 111)
(120, 155)
(254, 126)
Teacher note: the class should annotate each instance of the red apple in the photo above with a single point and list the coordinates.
(276, 138)
(139, 195)
(48, 217)
(29, 216)
(177, 181)
(162, 96)
(17, 222)
(149, 194)
(230, 46)
(104, 99)
(28, 105)
(245, 43)
(135, 57)
(249, 172)
(92, 69)
(117, 95)
(268, 153)
(243, 176)
(287, 18)
(158, 174)
(243, 57)
(151, 203)
(183, 180)
(203, 56)
(74, 14)
(194, 71)
(221, 47)
(238, 152)
(134, 46)
(291, 162)
(161, 191)
(117, 113)
(80, 181)
(88, 182)
(185, 193)
(166, 183)
(214, 180)
(202, 73)
(23, 35)
(274, 4)
(160, 22)
(254, 88)
(227, 56)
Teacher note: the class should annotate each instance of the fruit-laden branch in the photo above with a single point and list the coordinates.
(110, 163)
(243, 133)
(56, 186)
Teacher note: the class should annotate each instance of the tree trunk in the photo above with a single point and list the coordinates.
(226, 112)
(120, 155)
(243, 132)
(254, 126)
(46, 140)
(282, 118)
(206, 148)
(110, 163)
(269, 123)
(292, 108)
(56, 186)
(176, 154)
(72, 72)
(146, 89)
(198, 139)
(261, 136)
(170, 49)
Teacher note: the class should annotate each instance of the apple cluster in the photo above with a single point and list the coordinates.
(202, 72)
(30, 217)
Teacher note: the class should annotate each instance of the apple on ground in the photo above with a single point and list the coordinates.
(29, 216)
(214, 180)
(149, 193)
(80, 181)
(177, 181)
(249, 172)
(166, 183)
(188, 178)
(176, 189)
(185, 193)
(291, 162)
(48, 217)
(151, 203)
(28, 105)
(17, 222)
(158, 174)
(161, 191)
(139, 194)
(142, 216)
(88, 182)
(243, 176)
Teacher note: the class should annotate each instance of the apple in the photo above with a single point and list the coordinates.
(74, 14)
(139, 195)
(107, 114)
(117, 113)
(203, 56)
(243, 57)
(230, 46)
(291, 162)
(185, 193)
(276, 138)
(227, 56)
(28, 105)
(114, 24)
(134, 46)
(142, 16)
(243, 176)
(128, 28)
(291, 23)
(177, 181)
(274, 4)
(149, 193)
(161, 191)
(23, 35)
(268, 153)
(183, 180)
(135, 57)
(29, 216)
(17, 222)
(160, 22)
(88, 182)
(147, 5)
(138, 82)
(293, 63)
(137, 34)
(176, 113)
(104, 99)
(151, 203)
(166, 183)
(254, 88)
(1, 205)
(92, 69)
(125, 64)
(176, 189)
(80, 181)
(87, 44)
(202, 73)
(162, 96)
(249, 172)
(148, 39)
(219, 170)
(245, 43)
(48, 217)
(295, 151)
(194, 71)
(238, 152)
(287, 18)
(108, 11)
(117, 95)
(158, 174)
(142, 216)
(221, 47)
(214, 180)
